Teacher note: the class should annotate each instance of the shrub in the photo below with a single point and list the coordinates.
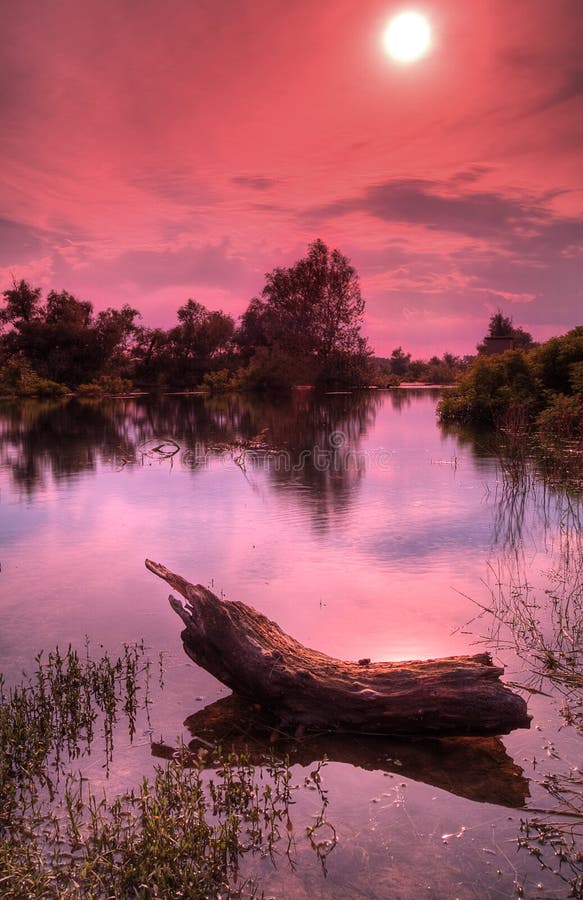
(558, 361)
(562, 420)
(105, 385)
(18, 379)
(220, 382)
(491, 386)
(274, 368)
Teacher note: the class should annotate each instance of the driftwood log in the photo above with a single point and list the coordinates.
(305, 689)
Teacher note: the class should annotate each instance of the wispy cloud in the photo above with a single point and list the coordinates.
(255, 182)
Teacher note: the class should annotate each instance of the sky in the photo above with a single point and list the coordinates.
(155, 151)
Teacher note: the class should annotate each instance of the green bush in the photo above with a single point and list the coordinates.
(220, 382)
(274, 368)
(104, 386)
(558, 361)
(532, 379)
(562, 420)
(491, 386)
(18, 379)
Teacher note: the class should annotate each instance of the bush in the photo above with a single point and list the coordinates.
(492, 386)
(346, 370)
(562, 420)
(220, 382)
(105, 385)
(18, 379)
(386, 380)
(273, 368)
(558, 362)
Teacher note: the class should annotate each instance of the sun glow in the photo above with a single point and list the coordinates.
(407, 37)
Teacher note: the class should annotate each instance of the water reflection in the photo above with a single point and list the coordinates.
(476, 768)
(307, 441)
(352, 558)
(56, 440)
(402, 398)
(523, 458)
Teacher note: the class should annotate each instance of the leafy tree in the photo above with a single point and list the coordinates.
(399, 361)
(253, 330)
(65, 311)
(316, 303)
(200, 342)
(23, 304)
(311, 310)
(62, 340)
(150, 355)
(502, 326)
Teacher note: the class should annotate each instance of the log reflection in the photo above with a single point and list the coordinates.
(478, 769)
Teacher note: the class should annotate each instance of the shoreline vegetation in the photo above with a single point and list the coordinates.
(305, 328)
(177, 832)
(302, 332)
(531, 400)
(208, 825)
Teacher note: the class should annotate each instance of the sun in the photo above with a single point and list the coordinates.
(407, 37)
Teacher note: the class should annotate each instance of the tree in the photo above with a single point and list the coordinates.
(62, 340)
(312, 311)
(23, 304)
(501, 326)
(150, 355)
(252, 332)
(117, 330)
(399, 361)
(199, 342)
(201, 334)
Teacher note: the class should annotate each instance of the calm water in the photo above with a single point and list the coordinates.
(364, 530)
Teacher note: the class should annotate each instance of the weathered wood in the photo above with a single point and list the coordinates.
(477, 768)
(459, 695)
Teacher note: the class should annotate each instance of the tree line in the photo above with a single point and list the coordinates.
(305, 327)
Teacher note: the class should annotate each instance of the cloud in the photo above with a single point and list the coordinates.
(255, 182)
(19, 242)
(152, 269)
(440, 205)
(471, 175)
(177, 186)
(570, 88)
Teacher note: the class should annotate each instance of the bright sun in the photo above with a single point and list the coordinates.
(407, 37)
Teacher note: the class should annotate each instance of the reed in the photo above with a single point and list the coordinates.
(179, 834)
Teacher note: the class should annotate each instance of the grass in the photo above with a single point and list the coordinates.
(561, 831)
(179, 834)
(545, 629)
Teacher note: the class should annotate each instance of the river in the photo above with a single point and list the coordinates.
(364, 530)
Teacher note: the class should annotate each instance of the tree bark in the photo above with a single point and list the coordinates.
(305, 689)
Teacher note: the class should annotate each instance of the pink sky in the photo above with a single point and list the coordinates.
(152, 152)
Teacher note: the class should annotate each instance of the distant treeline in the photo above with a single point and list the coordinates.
(304, 328)
(400, 367)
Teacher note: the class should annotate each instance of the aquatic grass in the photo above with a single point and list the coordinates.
(182, 832)
(168, 838)
(544, 629)
(560, 830)
(56, 710)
